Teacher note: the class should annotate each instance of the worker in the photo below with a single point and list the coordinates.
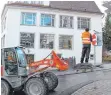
(86, 41)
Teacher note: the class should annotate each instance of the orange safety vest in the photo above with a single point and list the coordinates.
(86, 38)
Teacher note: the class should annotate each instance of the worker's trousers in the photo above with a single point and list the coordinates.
(85, 54)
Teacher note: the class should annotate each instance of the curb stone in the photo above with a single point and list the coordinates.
(70, 73)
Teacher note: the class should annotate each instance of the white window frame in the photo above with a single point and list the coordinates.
(32, 20)
(69, 21)
(52, 17)
(71, 43)
(53, 40)
(3, 24)
(88, 22)
(28, 33)
(41, 2)
(3, 41)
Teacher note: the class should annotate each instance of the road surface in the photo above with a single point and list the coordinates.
(68, 83)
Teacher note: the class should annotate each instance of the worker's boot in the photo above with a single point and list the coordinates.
(82, 60)
(86, 60)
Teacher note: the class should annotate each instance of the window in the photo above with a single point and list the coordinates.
(110, 18)
(66, 21)
(10, 62)
(3, 24)
(47, 41)
(28, 19)
(47, 20)
(27, 40)
(1, 27)
(3, 41)
(83, 23)
(21, 57)
(40, 2)
(30, 58)
(65, 42)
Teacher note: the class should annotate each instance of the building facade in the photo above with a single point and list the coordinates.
(41, 28)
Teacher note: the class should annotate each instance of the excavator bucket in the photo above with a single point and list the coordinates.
(59, 63)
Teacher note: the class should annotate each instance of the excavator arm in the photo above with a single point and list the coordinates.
(54, 62)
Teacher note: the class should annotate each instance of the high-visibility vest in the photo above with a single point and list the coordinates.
(86, 38)
(94, 39)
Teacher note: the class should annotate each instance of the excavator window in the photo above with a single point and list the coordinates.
(21, 57)
(10, 61)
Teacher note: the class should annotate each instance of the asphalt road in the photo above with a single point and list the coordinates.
(68, 83)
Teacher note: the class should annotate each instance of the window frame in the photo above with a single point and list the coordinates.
(51, 19)
(27, 33)
(32, 21)
(41, 2)
(30, 54)
(72, 41)
(53, 41)
(3, 24)
(3, 41)
(87, 23)
(62, 20)
(6, 52)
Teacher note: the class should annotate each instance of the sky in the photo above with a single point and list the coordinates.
(98, 2)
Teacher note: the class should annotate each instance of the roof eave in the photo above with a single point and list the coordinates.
(39, 6)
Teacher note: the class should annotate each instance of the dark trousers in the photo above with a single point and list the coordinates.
(85, 54)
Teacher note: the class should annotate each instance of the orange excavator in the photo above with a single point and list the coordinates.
(53, 62)
(27, 76)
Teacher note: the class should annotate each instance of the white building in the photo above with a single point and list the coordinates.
(49, 26)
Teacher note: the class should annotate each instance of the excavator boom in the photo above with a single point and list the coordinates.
(54, 62)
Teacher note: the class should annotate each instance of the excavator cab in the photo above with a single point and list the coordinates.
(13, 62)
(16, 76)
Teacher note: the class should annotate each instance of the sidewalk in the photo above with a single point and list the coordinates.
(72, 71)
(78, 81)
(101, 87)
